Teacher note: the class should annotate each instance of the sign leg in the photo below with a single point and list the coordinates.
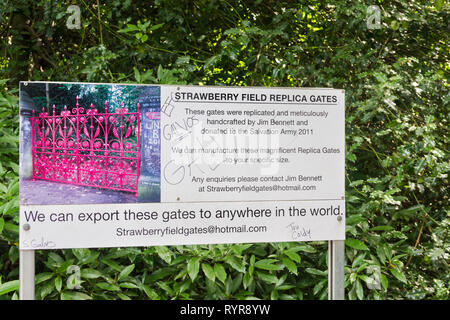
(336, 262)
(26, 275)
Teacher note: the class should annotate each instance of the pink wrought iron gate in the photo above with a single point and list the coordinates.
(87, 148)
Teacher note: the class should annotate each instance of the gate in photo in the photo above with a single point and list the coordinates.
(87, 147)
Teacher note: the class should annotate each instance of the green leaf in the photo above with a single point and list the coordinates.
(164, 253)
(193, 268)
(108, 286)
(305, 248)
(128, 285)
(81, 253)
(236, 283)
(316, 272)
(318, 287)
(352, 292)
(150, 292)
(165, 287)
(274, 295)
(252, 260)
(382, 228)
(220, 272)
(13, 254)
(359, 290)
(355, 244)
(160, 72)
(239, 248)
(354, 219)
(293, 255)
(183, 286)
(290, 265)
(235, 263)
(208, 271)
(63, 267)
(381, 255)
(90, 274)
(55, 257)
(12, 227)
(129, 28)
(126, 272)
(358, 260)
(9, 286)
(266, 277)
(41, 277)
(74, 295)
(144, 38)
(182, 60)
(46, 289)
(58, 283)
(384, 281)
(210, 62)
(399, 275)
(123, 296)
(156, 27)
(267, 264)
(137, 75)
(161, 273)
(370, 281)
(247, 280)
(112, 264)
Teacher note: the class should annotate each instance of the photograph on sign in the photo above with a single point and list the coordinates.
(142, 165)
(81, 144)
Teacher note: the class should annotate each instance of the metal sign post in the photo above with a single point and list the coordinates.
(336, 278)
(26, 275)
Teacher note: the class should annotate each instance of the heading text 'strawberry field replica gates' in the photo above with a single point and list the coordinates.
(87, 147)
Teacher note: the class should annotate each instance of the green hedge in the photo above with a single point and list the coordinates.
(397, 102)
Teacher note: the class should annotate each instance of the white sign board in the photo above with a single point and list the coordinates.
(232, 165)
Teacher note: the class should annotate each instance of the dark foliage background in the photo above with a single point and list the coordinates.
(397, 100)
